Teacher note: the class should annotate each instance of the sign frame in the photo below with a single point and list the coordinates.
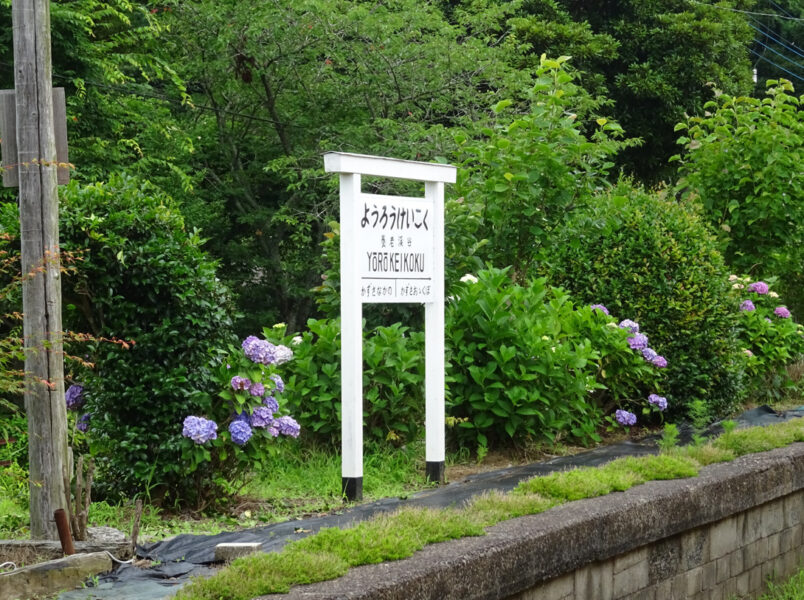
(350, 168)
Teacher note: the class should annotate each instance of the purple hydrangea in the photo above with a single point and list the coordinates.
(256, 389)
(659, 402)
(638, 341)
(747, 306)
(649, 354)
(271, 403)
(261, 417)
(240, 431)
(240, 383)
(760, 287)
(241, 416)
(199, 429)
(659, 361)
(623, 417)
(630, 325)
(601, 308)
(279, 385)
(283, 354)
(781, 311)
(74, 397)
(259, 351)
(288, 426)
(83, 423)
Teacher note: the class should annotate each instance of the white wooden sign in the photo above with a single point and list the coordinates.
(392, 250)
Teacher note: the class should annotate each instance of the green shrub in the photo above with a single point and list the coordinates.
(769, 337)
(393, 381)
(652, 261)
(742, 163)
(143, 279)
(523, 363)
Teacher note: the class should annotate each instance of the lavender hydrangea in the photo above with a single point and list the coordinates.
(279, 385)
(271, 403)
(261, 417)
(74, 397)
(240, 432)
(259, 351)
(283, 354)
(199, 429)
(747, 306)
(638, 341)
(782, 312)
(256, 389)
(600, 307)
(658, 401)
(649, 354)
(759, 287)
(630, 325)
(82, 424)
(659, 361)
(240, 383)
(288, 426)
(623, 417)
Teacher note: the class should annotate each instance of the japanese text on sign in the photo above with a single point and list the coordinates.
(396, 249)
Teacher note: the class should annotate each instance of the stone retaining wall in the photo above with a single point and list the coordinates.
(711, 537)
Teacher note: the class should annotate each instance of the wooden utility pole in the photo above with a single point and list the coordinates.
(41, 292)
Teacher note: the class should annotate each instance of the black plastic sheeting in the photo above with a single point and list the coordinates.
(187, 555)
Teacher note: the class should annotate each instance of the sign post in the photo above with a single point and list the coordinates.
(392, 250)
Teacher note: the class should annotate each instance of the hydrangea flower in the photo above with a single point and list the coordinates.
(623, 417)
(737, 286)
(747, 306)
(659, 402)
(271, 403)
(74, 397)
(82, 424)
(781, 311)
(282, 354)
(773, 294)
(638, 341)
(601, 308)
(259, 351)
(649, 354)
(241, 416)
(240, 431)
(733, 278)
(659, 361)
(199, 429)
(759, 287)
(469, 278)
(262, 417)
(279, 386)
(256, 389)
(748, 352)
(240, 383)
(297, 339)
(288, 426)
(630, 325)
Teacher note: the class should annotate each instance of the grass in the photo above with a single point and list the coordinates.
(792, 589)
(331, 552)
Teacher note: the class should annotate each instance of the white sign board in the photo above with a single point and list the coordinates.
(395, 234)
(392, 250)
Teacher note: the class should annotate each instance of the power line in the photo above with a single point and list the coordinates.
(774, 64)
(780, 54)
(777, 40)
(780, 8)
(746, 12)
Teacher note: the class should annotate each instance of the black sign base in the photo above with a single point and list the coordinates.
(352, 488)
(434, 471)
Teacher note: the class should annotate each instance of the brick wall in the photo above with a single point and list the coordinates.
(733, 557)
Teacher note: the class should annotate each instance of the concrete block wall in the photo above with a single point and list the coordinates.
(715, 536)
(733, 557)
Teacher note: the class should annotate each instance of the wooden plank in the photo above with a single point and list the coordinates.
(8, 137)
(380, 166)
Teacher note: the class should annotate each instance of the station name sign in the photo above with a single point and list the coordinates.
(396, 249)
